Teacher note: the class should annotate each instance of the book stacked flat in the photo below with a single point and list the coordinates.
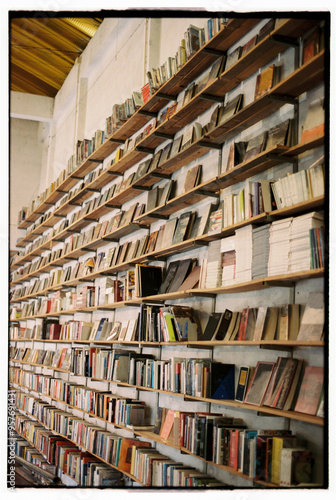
(228, 260)
(244, 254)
(260, 251)
(214, 267)
(300, 250)
(279, 247)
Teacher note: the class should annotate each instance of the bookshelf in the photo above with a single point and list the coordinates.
(303, 78)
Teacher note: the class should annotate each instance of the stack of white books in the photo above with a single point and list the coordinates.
(279, 243)
(228, 250)
(214, 266)
(244, 254)
(260, 251)
(300, 242)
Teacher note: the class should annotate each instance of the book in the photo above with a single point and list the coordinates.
(243, 380)
(183, 227)
(310, 390)
(180, 275)
(222, 383)
(125, 455)
(148, 280)
(191, 280)
(265, 81)
(295, 467)
(169, 277)
(223, 325)
(259, 382)
(231, 108)
(211, 326)
(314, 121)
(192, 178)
(312, 324)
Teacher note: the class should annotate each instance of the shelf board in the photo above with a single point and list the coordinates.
(305, 146)
(312, 419)
(313, 204)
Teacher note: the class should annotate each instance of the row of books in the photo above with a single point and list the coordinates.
(226, 441)
(256, 198)
(251, 253)
(29, 453)
(262, 196)
(116, 450)
(194, 38)
(259, 454)
(57, 453)
(177, 323)
(152, 468)
(286, 322)
(281, 384)
(59, 359)
(104, 405)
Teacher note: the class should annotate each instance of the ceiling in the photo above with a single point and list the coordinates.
(44, 49)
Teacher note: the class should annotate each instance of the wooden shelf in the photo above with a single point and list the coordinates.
(312, 419)
(306, 77)
(81, 446)
(150, 436)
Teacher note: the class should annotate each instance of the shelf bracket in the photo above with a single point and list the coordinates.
(204, 144)
(158, 216)
(204, 192)
(92, 190)
(119, 141)
(93, 160)
(160, 176)
(147, 113)
(212, 98)
(76, 177)
(142, 149)
(161, 95)
(283, 98)
(117, 174)
(112, 206)
(142, 188)
(281, 159)
(212, 52)
(285, 40)
(162, 135)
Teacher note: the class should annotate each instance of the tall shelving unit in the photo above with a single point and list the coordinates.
(302, 79)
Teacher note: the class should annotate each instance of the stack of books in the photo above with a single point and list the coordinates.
(260, 251)
(214, 265)
(244, 254)
(280, 232)
(300, 245)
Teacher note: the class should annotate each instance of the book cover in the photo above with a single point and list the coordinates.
(310, 390)
(259, 383)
